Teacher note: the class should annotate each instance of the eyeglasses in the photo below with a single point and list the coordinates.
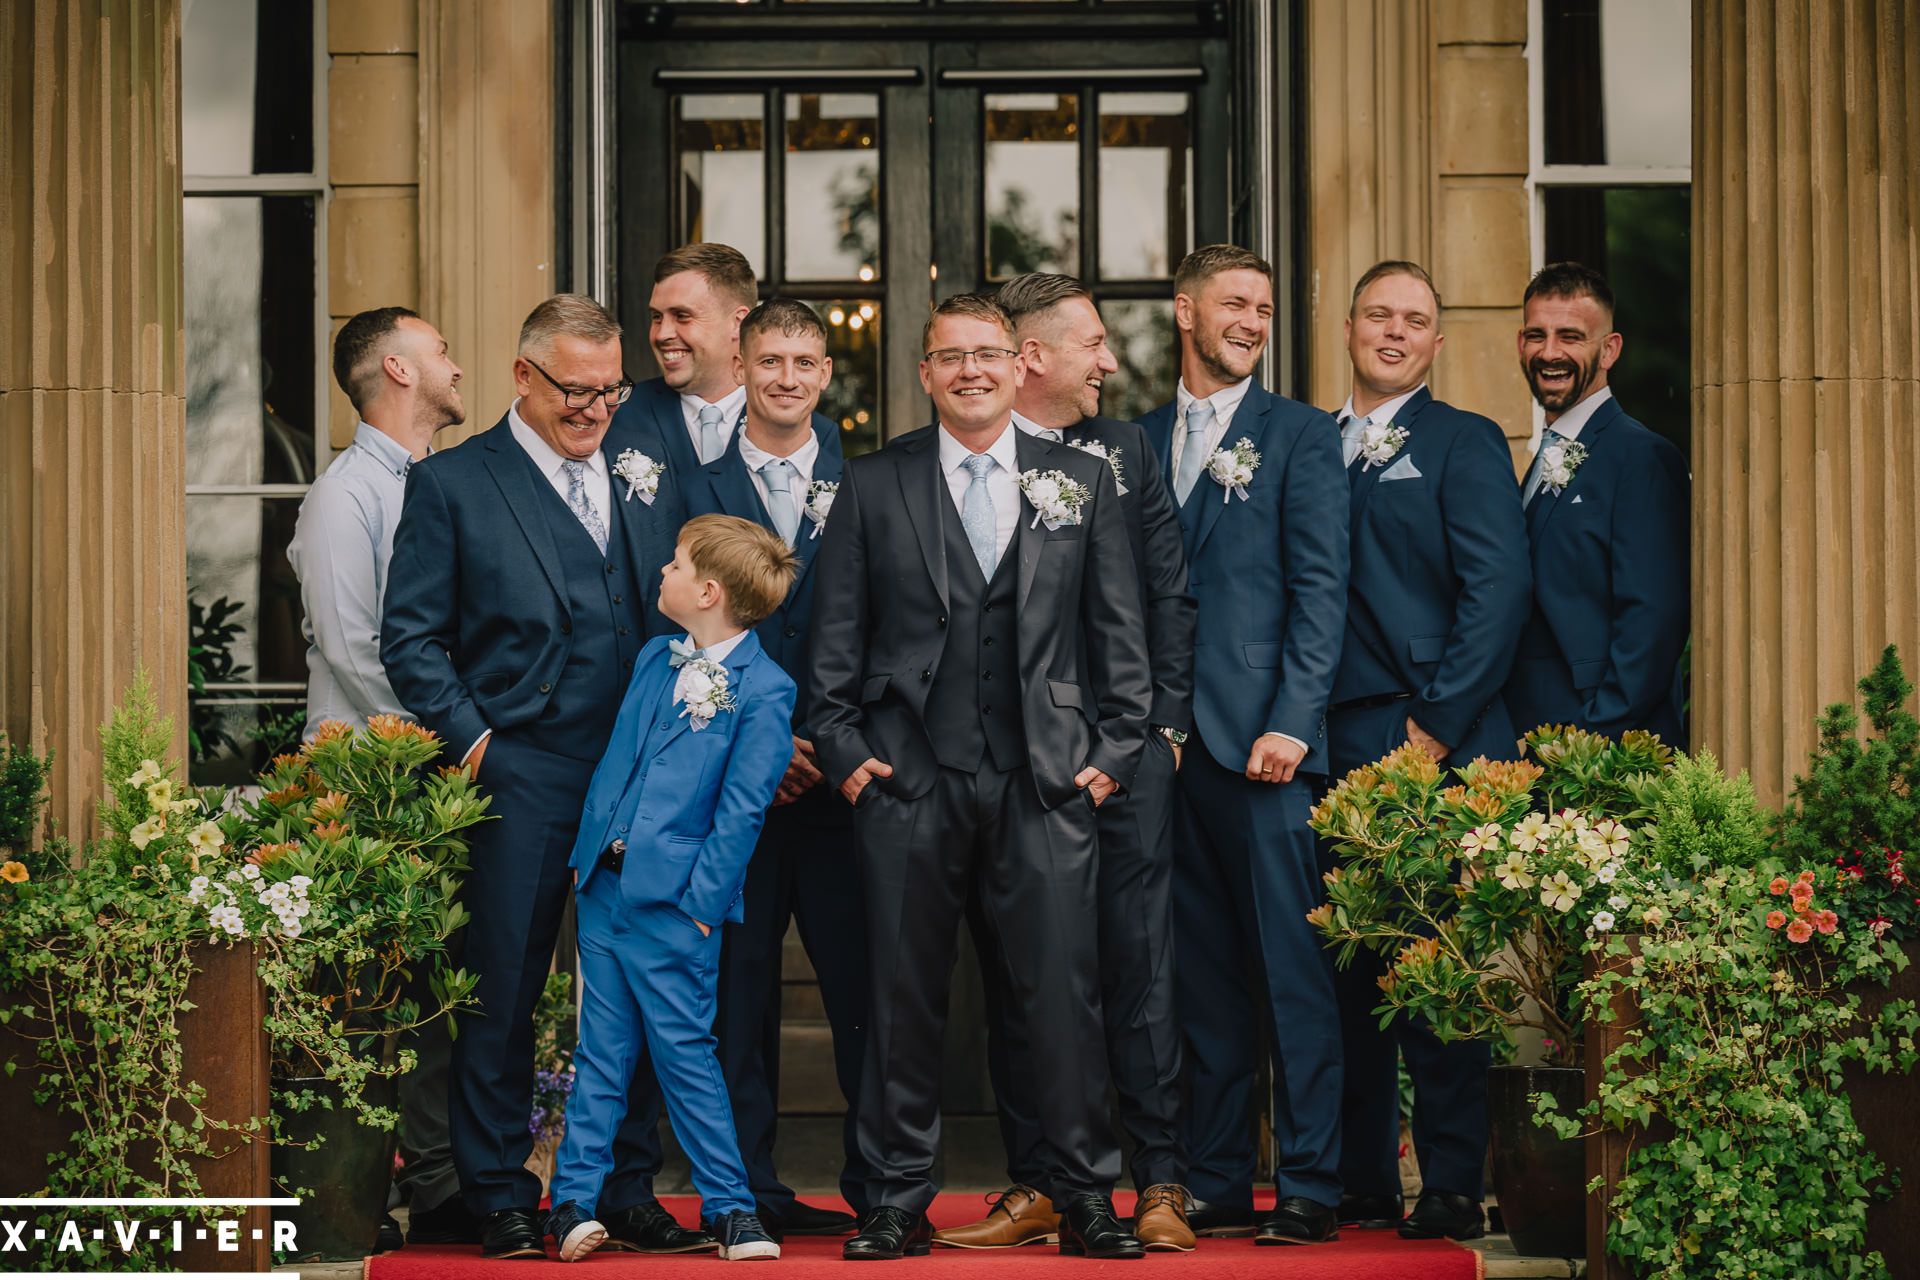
(583, 397)
(985, 357)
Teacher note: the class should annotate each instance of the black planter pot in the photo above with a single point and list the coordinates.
(1539, 1176)
(345, 1177)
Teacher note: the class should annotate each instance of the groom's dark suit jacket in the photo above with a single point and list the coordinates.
(880, 634)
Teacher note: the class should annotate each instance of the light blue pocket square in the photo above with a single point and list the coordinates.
(1577, 499)
(1401, 470)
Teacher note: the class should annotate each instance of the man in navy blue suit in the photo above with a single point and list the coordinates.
(524, 571)
(1607, 505)
(776, 473)
(1263, 508)
(701, 293)
(1439, 594)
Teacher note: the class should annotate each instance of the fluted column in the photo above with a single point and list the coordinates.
(1806, 341)
(92, 407)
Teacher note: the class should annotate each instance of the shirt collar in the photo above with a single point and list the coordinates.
(543, 454)
(730, 404)
(1570, 423)
(1382, 413)
(390, 453)
(1033, 428)
(953, 454)
(802, 458)
(1224, 401)
(719, 649)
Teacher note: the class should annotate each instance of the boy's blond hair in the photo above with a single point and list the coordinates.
(754, 566)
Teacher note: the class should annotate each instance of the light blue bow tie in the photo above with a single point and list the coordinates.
(681, 652)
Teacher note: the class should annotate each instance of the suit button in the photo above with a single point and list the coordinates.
(663, 726)
(987, 609)
(988, 642)
(791, 632)
(545, 687)
(986, 675)
(926, 675)
(625, 631)
(942, 620)
(566, 628)
(616, 599)
(610, 570)
(986, 711)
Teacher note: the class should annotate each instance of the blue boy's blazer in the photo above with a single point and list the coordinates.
(1270, 576)
(688, 803)
(1610, 586)
(1440, 590)
(656, 407)
(726, 487)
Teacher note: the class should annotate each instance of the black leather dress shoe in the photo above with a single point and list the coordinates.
(799, 1219)
(1298, 1220)
(388, 1238)
(890, 1233)
(1219, 1220)
(1442, 1213)
(647, 1228)
(448, 1223)
(514, 1233)
(1089, 1229)
(1371, 1212)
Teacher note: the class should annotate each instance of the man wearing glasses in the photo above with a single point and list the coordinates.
(525, 569)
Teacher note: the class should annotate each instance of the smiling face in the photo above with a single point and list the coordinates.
(1067, 362)
(578, 365)
(971, 398)
(1567, 345)
(695, 333)
(1226, 323)
(1392, 337)
(436, 402)
(784, 374)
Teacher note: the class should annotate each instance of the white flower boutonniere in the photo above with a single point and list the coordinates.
(1112, 456)
(1558, 462)
(1232, 469)
(1379, 443)
(702, 692)
(1056, 497)
(641, 473)
(820, 496)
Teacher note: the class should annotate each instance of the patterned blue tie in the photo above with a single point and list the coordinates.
(976, 512)
(1193, 449)
(581, 508)
(779, 476)
(711, 443)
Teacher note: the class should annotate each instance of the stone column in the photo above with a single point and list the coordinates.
(1806, 350)
(92, 381)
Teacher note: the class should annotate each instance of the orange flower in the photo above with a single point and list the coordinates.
(1826, 921)
(286, 795)
(1778, 887)
(1799, 931)
(1805, 877)
(1320, 917)
(267, 853)
(1775, 919)
(330, 831)
(13, 872)
(330, 807)
(391, 726)
(328, 730)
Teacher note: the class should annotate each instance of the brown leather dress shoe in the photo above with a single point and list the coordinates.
(1020, 1215)
(1161, 1219)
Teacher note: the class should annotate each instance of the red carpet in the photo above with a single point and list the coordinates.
(1357, 1255)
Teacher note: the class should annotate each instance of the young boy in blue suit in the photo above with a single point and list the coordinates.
(672, 816)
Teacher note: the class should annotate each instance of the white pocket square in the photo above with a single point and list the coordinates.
(1577, 500)
(1401, 470)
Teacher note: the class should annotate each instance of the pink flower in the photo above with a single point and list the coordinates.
(1879, 926)
(1778, 887)
(1805, 877)
(1826, 921)
(1802, 894)
(1775, 919)
(1799, 931)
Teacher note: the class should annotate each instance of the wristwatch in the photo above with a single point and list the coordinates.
(1177, 737)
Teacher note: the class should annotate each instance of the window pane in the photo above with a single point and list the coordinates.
(1033, 183)
(246, 86)
(718, 141)
(1618, 82)
(1145, 172)
(833, 162)
(1637, 236)
(1142, 338)
(250, 342)
(852, 399)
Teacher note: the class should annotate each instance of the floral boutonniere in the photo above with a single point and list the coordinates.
(1112, 456)
(1379, 443)
(1232, 469)
(641, 473)
(1558, 462)
(820, 496)
(703, 692)
(1056, 497)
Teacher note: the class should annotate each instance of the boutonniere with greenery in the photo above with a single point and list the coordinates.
(1379, 443)
(641, 473)
(1057, 497)
(820, 495)
(1558, 462)
(703, 692)
(1232, 469)
(1112, 456)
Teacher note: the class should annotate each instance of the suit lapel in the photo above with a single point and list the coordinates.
(806, 542)
(1545, 501)
(672, 428)
(1159, 428)
(1249, 423)
(922, 490)
(1028, 537)
(733, 486)
(1363, 477)
(514, 472)
(735, 664)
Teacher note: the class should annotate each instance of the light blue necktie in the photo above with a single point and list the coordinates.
(782, 505)
(581, 508)
(1351, 432)
(711, 443)
(976, 512)
(1193, 449)
(1533, 477)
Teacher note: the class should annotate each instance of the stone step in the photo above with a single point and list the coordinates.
(800, 1002)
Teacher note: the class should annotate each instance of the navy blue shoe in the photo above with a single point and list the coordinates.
(741, 1237)
(575, 1231)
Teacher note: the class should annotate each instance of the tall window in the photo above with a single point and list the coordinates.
(1612, 172)
(256, 330)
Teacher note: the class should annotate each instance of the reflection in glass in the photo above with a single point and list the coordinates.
(1142, 338)
(833, 162)
(1032, 183)
(246, 86)
(718, 143)
(1617, 82)
(852, 399)
(1146, 170)
(250, 342)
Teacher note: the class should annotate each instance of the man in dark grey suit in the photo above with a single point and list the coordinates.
(980, 686)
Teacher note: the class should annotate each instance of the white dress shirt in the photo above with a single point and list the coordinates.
(802, 459)
(1053, 434)
(1003, 484)
(729, 405)
(1569, 425)
(1225, 402)
(552, 465)
(342, 541)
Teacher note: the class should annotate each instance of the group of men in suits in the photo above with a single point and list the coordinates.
(1072, 681)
